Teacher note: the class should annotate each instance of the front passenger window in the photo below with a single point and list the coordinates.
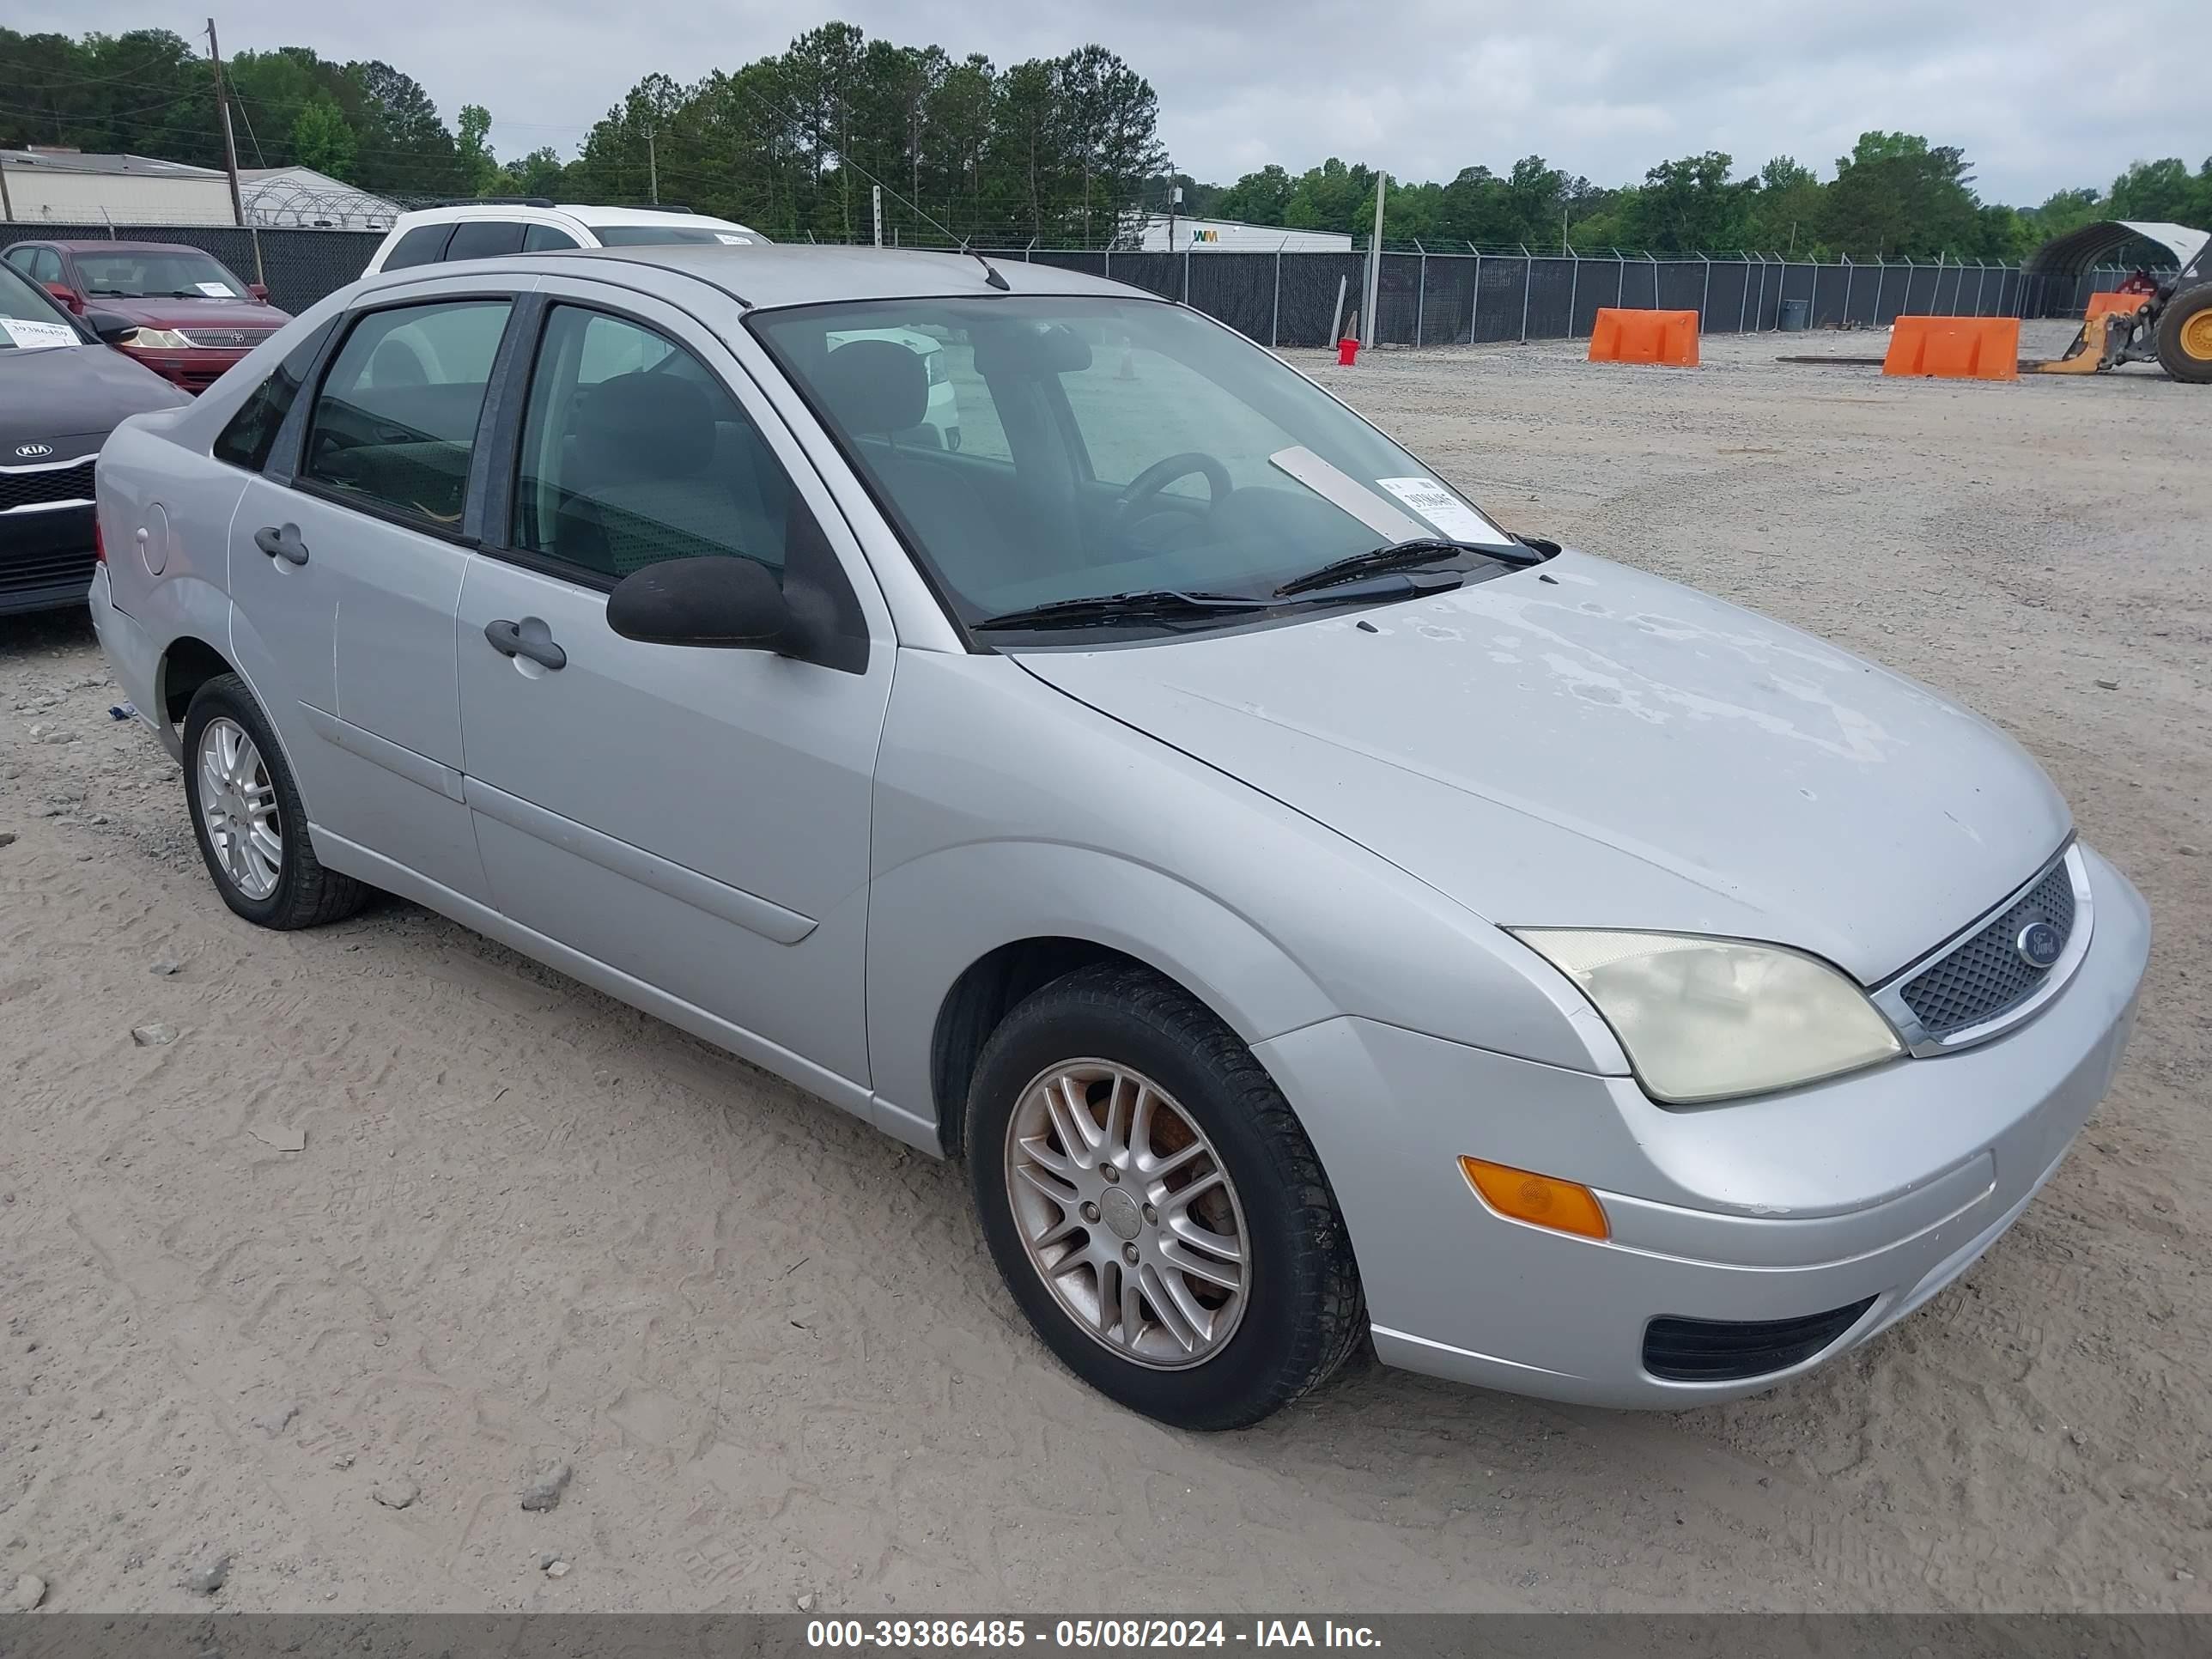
(396, 419)
(634, 452)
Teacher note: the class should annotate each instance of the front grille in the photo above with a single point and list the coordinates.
(1730, 1350)
(63, 568)
(1987, 975)
(225, 339)
(44, 486)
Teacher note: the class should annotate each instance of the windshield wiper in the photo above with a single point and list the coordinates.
(1155, 605)
(1403, 555)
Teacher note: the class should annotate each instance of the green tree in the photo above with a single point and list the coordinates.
(1688, 206)
(478, 166)
(541, 173)
(322, 140)
(1896, 194)
(2165, 190)
(1785, 211)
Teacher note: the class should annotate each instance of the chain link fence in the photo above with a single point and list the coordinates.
(1427, 297)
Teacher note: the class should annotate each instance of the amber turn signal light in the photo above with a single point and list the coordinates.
(1538, 1199)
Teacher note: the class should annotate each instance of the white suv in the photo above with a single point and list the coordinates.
(482, 230)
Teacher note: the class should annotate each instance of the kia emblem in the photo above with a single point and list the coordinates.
(32, 451)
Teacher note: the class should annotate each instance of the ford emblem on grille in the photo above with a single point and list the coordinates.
(2038, 945)
(32, 451)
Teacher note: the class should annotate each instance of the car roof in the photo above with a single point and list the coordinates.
(764, 275)
(582, 213)
(101, 244)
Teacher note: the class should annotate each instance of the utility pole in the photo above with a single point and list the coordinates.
(229, 143)
(7, 207)
(1174, 195)
(1375, 265)
(879, 215)
(652, 169)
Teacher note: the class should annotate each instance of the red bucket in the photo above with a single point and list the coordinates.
(1347, 352)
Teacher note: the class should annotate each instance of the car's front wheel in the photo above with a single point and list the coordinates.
(1154, 1204)
(248, 817)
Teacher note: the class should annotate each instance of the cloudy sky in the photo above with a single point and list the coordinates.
(1603, 87)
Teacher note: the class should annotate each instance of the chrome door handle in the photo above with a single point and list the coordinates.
(282, 542)
(528, 638)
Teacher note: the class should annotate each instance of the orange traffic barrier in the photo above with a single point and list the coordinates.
(2102, 305)
(1955, 348)
(1644, 336)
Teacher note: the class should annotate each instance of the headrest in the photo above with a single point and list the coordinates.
(875, 386)
(396, 363)
(644, 426)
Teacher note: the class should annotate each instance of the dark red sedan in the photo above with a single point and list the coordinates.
(195, 317)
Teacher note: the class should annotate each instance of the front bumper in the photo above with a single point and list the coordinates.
(45, 558)
(1881, 1187)
(195, 368)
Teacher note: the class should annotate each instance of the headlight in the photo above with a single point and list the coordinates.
(1709, 1018)
(158, 339)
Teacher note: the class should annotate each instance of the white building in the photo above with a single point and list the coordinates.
(1161, 235)
(70, 188)
(301, 195)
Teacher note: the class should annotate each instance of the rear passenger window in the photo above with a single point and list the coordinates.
(484, 239)
(633, 451)
(544, 239)
(245, 441)
(396, 417)
(425, 244)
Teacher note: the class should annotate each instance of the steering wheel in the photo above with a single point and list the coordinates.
(1140, 495)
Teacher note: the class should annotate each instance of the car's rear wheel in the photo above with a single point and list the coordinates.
(1155, 1206)
(248, 817)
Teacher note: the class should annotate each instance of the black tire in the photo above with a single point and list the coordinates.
(2189, 311)
(1304, 1313)
(305, 894)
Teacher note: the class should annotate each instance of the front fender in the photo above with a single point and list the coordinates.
(930, 919)
(1007, 810)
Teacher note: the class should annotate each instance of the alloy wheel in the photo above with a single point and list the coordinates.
(1127, 1213)
(238, 809)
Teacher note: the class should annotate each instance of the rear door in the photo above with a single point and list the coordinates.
(346, 568)
(696, 819)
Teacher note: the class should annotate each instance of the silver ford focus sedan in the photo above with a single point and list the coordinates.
(1315, 913)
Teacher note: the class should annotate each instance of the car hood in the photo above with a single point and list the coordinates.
(161, 310)
(77, 393)
(1609, 749)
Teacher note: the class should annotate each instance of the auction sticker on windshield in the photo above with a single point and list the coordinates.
(1442, 509)
(27, 336)
(215, 290)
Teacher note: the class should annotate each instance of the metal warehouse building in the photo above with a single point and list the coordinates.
(71, 187)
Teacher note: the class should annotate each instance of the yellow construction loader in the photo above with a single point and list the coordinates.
(2168, 323)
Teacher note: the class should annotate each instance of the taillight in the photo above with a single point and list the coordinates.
(99, 541)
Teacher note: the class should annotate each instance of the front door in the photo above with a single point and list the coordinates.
(347, 576)
(695, 819)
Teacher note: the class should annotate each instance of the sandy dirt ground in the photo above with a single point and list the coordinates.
(527, 1224)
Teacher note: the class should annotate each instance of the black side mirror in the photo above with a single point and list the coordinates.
(727, 602)
(112, 329)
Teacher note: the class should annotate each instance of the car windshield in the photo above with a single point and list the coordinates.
(29, 320)
(660, 235)
(1038, 449)
(165, 273)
